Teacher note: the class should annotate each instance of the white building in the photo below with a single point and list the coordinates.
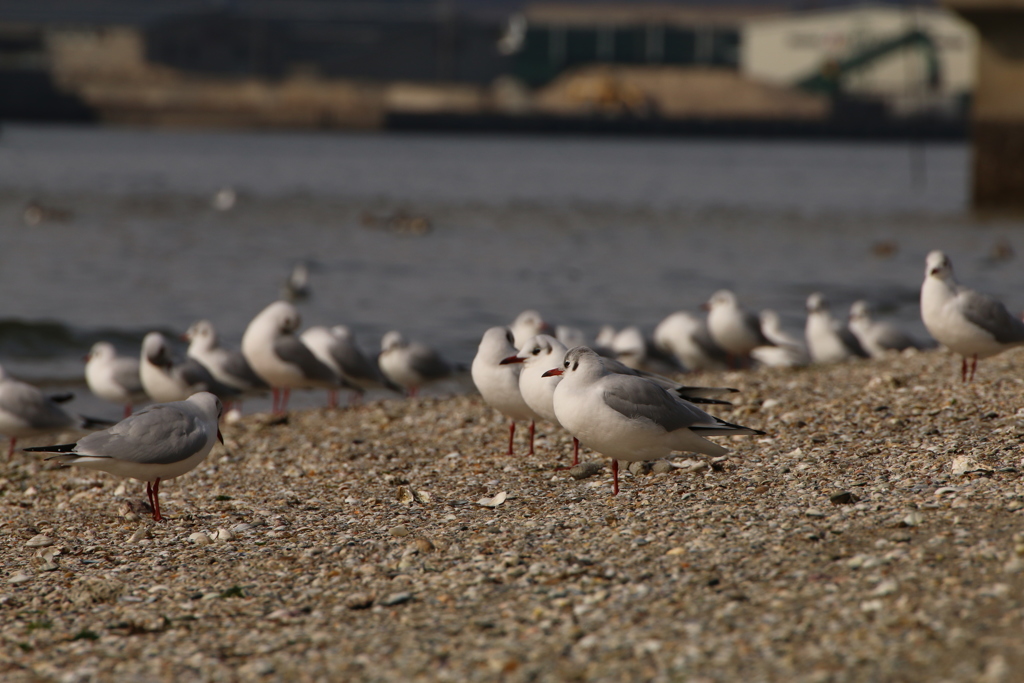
(912, 58)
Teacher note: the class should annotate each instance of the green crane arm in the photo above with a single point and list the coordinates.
(829, 76)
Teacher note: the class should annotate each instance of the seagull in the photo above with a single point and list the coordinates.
(281, 359)
(528, 324)
(878, 338)
(410, 365)
(632, 348)
(686, 337)
(26, 411)
(165, 379)
(114, 378)
(630, 418)
(160, 442)
(228, 366)
(498, 382)
(336, 348)
(541, 352)
(966, 322)
(732, 328)
(296, 287)
(787, 351)
(828, 340)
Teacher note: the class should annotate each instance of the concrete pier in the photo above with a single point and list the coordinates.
(997, 117)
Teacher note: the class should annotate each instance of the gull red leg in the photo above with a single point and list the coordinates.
(511, 435)
(274, 393)
(615, 477)
(974, 366)
(963, 370)
(10, 450)
(332, 398)
(128, 410)
(575, 451)
(156, 500)
(533, 429)
(149, 494)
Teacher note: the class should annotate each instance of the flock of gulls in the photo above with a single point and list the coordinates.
(614, 395)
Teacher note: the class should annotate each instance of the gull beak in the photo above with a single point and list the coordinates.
(511, 359)
(86, 357)
(705, 306)
(220, 437)
(552, 373)
(934, 271)
(185, 336)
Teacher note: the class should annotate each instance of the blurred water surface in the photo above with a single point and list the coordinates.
(586, 230)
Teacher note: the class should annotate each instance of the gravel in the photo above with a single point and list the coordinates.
(875, 533)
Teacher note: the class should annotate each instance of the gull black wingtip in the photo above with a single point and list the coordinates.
(62, 448)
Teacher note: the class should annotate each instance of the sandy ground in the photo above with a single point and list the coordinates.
(874, 534)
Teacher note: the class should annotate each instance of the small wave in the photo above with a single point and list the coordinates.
(22, 339)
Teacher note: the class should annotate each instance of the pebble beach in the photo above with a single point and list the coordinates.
(875, 533)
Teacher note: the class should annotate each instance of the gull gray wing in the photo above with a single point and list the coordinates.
(126, 373)
(291, 350)
(159, 435)
(990, 315)
(427, 362)
(850, 341)
(196, 375)
(893, 338)
(354, 364)
(32, 406)
(237, 367)
(640, 399)
(753, 323)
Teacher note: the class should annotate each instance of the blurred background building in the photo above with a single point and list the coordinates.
(402, 63)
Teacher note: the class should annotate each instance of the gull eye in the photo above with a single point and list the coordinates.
(535, 351)
(566, 364)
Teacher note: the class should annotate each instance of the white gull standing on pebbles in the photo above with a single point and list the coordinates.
(686, 337)
(158, 443)
(227, 366)
(280, 357)
(878, 338)
(166, 379)
(27, 411)
(114, 378)
(336, 347)
(732, 328)
(630, 418)
(410, 365)
(966, 322)
(828, 340)
(786, 352)
(498, 382)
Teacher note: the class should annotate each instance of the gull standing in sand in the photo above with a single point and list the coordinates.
(966, 322)
(630, 418)
(281, 359)
(158, 443)
(498, 382)
(165, 379)
(878, 338)
(787, 352)
(828, 340)
(336, 348)
(732, 328)
(686, 337)
(27, 411)
(114, 378)
(410, 365)
(227, 366)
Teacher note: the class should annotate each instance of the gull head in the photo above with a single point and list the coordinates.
(817, 303)
(391, 341)
(722, 297)
(538, 349)
(202, 333)
(101, 350)
(860, 311)
(154, 350)
(938, 265)
(579, 361)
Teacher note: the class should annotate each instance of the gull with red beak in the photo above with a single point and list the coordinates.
(630, 418)
(498, 381)
(158, 443)
(966, 322)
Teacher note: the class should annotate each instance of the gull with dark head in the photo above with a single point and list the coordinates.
(876, 337)
(630, 418)
(966, 322)
(228, 366)
(336, 348)
(158, 443)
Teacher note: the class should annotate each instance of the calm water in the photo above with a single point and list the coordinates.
(588, 231)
